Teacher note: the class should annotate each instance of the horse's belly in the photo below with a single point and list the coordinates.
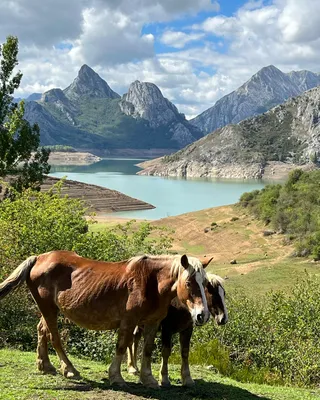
(97, 314)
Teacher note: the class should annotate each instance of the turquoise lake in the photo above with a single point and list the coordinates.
(170, 196)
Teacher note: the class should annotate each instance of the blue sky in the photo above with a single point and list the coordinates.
(195, 51)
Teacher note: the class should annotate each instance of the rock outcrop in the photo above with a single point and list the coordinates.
(284, 137)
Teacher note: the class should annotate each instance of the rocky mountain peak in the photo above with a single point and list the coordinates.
(265, 89)
(145, 100)
(89, 83)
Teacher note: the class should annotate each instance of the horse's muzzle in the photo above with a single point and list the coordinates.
(202, 318)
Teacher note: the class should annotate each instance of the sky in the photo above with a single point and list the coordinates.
(195, 51)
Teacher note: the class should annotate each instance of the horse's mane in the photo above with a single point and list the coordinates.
(176, 267)
(215, 280)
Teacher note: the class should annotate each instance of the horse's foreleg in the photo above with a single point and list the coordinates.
(43, 362)
(166, 341)
(124, 342)
(146, 376)
(185, 337)
(132, 364)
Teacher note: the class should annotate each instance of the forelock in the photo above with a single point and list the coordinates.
(215, 280)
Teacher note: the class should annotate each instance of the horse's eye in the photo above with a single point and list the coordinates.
(188, 285)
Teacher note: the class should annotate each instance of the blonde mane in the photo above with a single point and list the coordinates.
(215, 280)
(176, 268)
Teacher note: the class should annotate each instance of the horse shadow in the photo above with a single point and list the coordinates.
(201, 391)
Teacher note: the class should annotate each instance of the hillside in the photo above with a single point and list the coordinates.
(229, 233)
(264, 90)
(89, 114)
(284, 137)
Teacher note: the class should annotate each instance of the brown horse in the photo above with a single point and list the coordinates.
(109, 295)
(179, 320)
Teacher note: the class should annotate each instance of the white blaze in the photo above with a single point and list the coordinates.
(200, 309)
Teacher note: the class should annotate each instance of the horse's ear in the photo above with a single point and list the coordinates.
(184, 261)
(205, 261)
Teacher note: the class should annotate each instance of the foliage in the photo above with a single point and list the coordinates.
(19, 154)
(60, 148)
(38, 222)
(292, 208)
(274, 339)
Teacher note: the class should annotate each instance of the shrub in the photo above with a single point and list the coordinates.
(274, 339)
(293, 208)
(36, 223)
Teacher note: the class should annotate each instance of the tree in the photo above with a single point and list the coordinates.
(21, 160)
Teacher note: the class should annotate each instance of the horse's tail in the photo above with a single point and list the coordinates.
(18, 276)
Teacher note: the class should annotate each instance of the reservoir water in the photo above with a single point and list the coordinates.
(170, 196)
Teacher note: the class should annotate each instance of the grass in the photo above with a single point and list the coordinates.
(20, 380)
(263, 262)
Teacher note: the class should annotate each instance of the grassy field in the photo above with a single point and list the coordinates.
(227, 233)
(20, 380)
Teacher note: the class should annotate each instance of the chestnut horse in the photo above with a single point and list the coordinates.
(179, 320)
(109, 295)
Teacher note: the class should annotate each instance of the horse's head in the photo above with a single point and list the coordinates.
(215, 294)
(190, 288)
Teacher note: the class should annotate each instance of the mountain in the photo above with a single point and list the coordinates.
(54, 132)
(145, 100)
(88, 83)
(141, 119)
(266, 89)
(274, 142)
(34, 97)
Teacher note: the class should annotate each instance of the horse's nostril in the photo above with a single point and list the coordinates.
(200, 318)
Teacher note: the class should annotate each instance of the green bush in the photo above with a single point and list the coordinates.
(275, 339)
(292, 208)
(36, 223)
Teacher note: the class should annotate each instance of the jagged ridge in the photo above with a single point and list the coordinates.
(266, 89)
(288, 134)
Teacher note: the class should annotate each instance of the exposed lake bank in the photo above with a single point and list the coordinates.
(273, 170)
(99, 199)
(170, 196)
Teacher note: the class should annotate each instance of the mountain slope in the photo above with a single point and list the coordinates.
(288, 134)
(145, 100)
(266, 89)
(55, 132)
(142, 119)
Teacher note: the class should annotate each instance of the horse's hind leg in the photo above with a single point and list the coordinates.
(185, 337)
(132, 364)
(43, 362)
(166, 342)
(146, 376)
(50, 314)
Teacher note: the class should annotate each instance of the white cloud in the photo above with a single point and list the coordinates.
(57, 37)
(179, 39)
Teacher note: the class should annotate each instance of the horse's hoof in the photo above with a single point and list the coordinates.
(46, 368)
(121, 385)
(133, 371)
(71, 374)
(165, 384)
(150, 383)
(118, 381)
(189, 382)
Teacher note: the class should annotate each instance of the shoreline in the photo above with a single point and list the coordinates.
(98, 199)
